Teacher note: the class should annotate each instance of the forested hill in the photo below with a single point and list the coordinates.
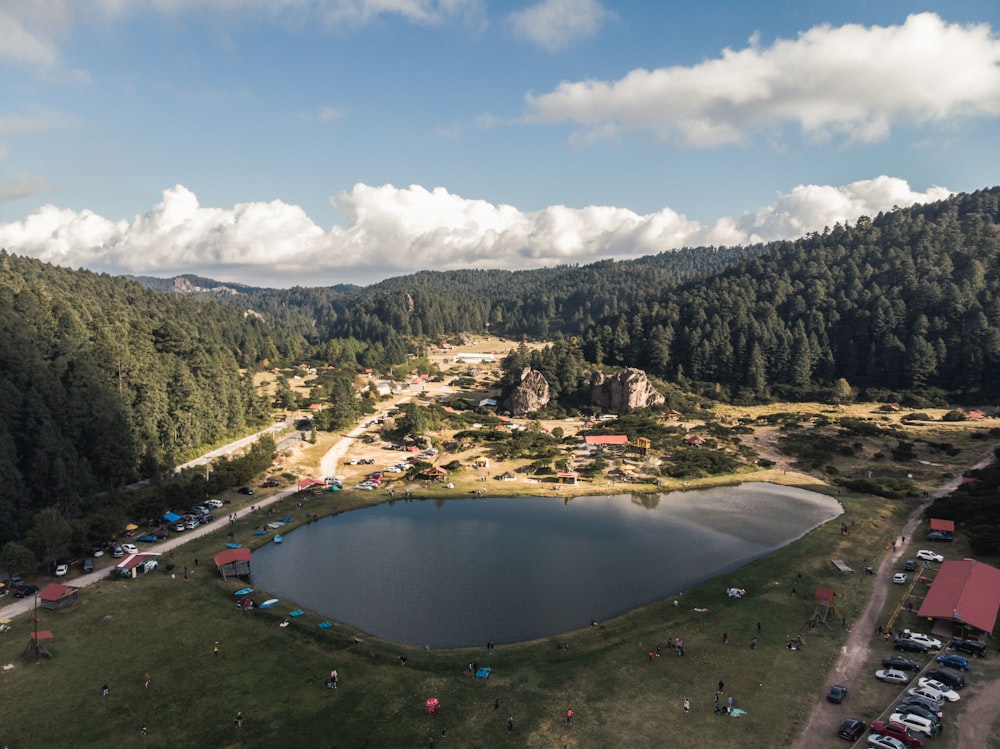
(905, 302)
(103, 381)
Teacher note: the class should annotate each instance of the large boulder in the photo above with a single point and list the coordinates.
(529, 395)
(627, 390)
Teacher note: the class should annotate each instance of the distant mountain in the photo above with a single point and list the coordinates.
(190, 284)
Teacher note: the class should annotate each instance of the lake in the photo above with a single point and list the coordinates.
(462, 572)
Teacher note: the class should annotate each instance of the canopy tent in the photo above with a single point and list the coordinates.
(131, 527)
(171, 517)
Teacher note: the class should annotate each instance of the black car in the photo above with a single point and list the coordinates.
(911, 708)
(910, 646)
(953, 679)
(972, 647)
(836, 694)
(26, 590)
(852, 729)
(932, 708)
(88, 566)
(910, 565)
(245, 490)
(900, 663)
(939, 536)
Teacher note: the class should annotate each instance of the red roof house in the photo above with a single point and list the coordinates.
(308, 483)
(599, 440)
(58, 596)
(945, 526)
(964, 598)
(233, 562)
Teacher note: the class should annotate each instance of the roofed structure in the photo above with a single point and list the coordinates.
(964, 598)
(58, 596)
(233, 562)
(945, 526)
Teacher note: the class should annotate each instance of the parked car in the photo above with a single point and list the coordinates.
(939, 536)
(939, 686)
(215, 504)
(245, 490)
(900, 663)
(270, 484)
(130, 548)
(191, 524)
(23, 591)
(900, 578)
(96, 551)
(953, 679)
(892, 676)
(932, 642)
(910, 565)
(972, 647)
(929, 556)
(178, 526)
(118, 552)
(837, 694)
(928, 692)
(932, 708)
(897, 731)
(161, 533)
(910, 646)
(915, 723)
(62, 570)
(851, 729)
(88, 566)
(881, 741)
(953, 661)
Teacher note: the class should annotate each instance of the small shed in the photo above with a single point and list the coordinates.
(233, 562)
(568, 477)
(58, 596)
(506, 476)
(945, 526)
(137, 564)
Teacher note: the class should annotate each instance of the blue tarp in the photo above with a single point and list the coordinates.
(171, 517)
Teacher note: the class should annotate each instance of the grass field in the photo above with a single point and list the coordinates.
(169, 627)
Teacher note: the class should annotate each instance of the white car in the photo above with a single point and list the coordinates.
(946, 692)
(880, 741)
(914, 723)
(62, 570)
(130, 549)
(892, 676)
(931, 642)
(930, 556)
(215, 503)
(900, 578)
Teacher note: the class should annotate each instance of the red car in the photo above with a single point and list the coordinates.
(897, 731)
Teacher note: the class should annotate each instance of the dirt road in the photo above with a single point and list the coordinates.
(856, 654)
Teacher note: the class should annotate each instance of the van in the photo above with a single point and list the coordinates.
(915, 723)
(952, 679)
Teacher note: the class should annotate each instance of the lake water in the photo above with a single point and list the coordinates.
(462, 572)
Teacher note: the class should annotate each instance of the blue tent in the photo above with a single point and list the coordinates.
(171, 517)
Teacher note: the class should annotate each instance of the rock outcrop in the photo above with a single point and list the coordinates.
(529, 395)
(627, 390)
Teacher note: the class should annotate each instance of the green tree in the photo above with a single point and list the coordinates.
(16, 558)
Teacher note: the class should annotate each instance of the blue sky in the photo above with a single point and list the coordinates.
(313, 142)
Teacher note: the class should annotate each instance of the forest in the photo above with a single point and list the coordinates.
(105, 381)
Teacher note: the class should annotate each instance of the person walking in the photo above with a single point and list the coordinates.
(105, 690)
(238, 721)
(496, 704)
(510, 724)
(687, 705)
(569, 717)
(725, 638)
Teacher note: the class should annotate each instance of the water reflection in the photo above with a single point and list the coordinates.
(462, 572)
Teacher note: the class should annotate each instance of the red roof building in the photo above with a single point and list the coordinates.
(308, 483)
(233, 562)
(599, 440)
(58, 596)
(964, 598)
(945, 526)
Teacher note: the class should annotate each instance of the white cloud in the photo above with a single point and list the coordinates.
(557, 24)
(19, 44)
(22, 186)
(391, 231)
(851, 81)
